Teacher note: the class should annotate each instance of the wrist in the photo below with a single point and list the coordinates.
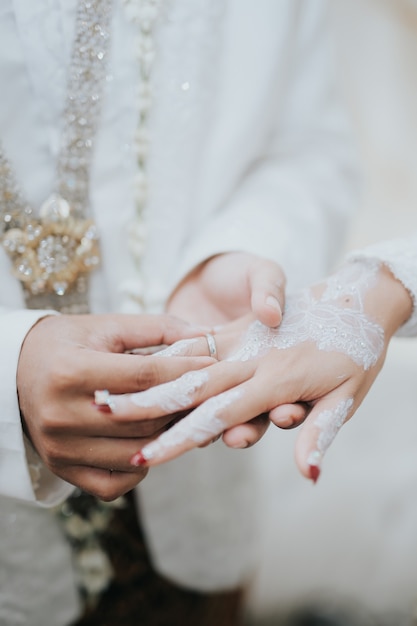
(389, 302)
(368, 287)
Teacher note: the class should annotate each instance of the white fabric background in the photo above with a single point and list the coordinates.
(353, 536)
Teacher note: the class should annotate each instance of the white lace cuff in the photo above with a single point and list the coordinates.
(400, 256)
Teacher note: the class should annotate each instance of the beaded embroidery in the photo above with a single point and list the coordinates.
(52, 253)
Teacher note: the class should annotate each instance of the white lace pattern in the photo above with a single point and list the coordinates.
(324, 322)
(205, 423)
(172, 396)
(400, 256)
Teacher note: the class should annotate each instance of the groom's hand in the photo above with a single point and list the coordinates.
(63, 360)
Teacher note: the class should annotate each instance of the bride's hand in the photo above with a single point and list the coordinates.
(225, 288)
(287, 383)
(228, 286)
(326, 354)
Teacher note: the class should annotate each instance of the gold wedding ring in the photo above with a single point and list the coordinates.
(211, 342)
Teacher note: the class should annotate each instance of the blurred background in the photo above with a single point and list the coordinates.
(344, 552)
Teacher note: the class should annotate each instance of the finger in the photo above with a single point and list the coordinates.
(99, 452)
(105, 484)
(197, 346)
(137, 331)
(121, 373)
(289, 415)
(184, 393)
(92, 421)
(267, 287)
(84, 419)
(217, 347)
(319, 430)
(246, 435)
(219, 413)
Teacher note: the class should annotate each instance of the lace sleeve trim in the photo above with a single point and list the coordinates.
(400, 256)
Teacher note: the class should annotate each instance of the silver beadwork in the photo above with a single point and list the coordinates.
(52, 253)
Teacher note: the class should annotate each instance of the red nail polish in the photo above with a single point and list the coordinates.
(103, 408)
(138, 459)
(314, 473)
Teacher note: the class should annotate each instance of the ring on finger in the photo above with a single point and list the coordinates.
(211, 342)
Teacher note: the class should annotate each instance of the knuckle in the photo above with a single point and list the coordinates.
(147, 374)
(51, 451)
(50, 422)
(108, 493)
(64, 375)
(105, 489)
(150, 427)
(173, 322)
(117, 485)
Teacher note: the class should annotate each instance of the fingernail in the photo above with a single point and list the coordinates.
(138, 459)
(314, 461)
(103, 408)
(314, 473)
(273, 303)
(103, 401)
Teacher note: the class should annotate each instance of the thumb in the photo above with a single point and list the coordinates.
(319, 431)
(267, 287)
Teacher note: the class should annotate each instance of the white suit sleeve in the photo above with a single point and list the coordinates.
(293, 205)
(22, 475)
(400, 256)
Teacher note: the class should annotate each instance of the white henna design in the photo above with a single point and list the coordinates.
(173, 396)
(179, 348)
(400, 257)
(351, 281)
(332, 324)
(201, 426)
(329, 422)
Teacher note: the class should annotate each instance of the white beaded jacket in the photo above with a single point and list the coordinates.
(250, 150)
